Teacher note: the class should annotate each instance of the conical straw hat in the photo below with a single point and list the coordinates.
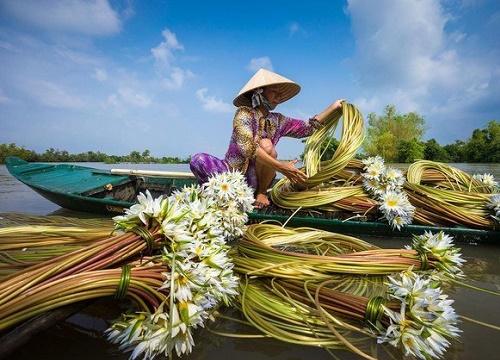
(263, 77)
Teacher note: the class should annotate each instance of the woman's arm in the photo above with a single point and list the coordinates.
(325, 114)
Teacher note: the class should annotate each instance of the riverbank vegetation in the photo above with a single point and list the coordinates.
(56, 155)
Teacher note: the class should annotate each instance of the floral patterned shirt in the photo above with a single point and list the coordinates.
(250, 125)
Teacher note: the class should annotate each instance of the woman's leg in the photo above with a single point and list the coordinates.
(204, 165)
(265, 175)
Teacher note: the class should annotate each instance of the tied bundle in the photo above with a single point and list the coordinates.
(168, 255)
(319, 288)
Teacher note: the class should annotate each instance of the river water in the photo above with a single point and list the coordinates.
(80, 337)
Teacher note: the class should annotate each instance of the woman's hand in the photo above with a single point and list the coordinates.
(338, 104)
(293, 174)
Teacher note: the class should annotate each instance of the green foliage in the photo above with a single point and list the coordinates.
(410, 150)
(398, 138)
(455, 151)
(386, 132)
(13, 150)
(484, 145)
(54, 155)
(433, 151)
(328, 148)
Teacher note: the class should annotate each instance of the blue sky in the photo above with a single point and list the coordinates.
(122, 75)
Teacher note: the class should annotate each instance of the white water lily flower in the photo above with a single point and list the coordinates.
(398, 221)
(373, 186)
(386, 186)
(377, 161)
(373, 172)
(440, 246)
(425, 319)
(486, 179)
(494, 204)
(145, 209)
(394, 178)
(437, 342)
(396, 208)
(176, 232)
(393, 203)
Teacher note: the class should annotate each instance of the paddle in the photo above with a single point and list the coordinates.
(171, 174)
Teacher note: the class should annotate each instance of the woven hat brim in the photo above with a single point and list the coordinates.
(286, 87)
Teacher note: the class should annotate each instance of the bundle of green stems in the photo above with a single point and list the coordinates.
(139, 280)
(305, 253)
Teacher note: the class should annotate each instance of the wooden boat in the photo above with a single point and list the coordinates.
(91, 190)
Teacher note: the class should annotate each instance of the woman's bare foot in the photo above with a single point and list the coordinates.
(261, 201)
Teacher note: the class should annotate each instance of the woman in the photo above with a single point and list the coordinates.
(256, 132)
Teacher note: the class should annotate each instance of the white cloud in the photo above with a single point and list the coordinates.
(133, 97)
(176, 78)
(51, 94)
(403, 44)
(79, 58)
(164, 53)
(128, 96)
(406, 56)
(210, 103)
(90, 17)
(8, 46)
(113, 101)
(99, 74)
(293, 28)
(172, 77)
(260, 63)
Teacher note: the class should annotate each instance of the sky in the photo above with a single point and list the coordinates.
(131, 75)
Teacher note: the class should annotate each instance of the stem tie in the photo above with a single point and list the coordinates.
(424, 260)
(374, 310)
(121, 291)
(146, 235)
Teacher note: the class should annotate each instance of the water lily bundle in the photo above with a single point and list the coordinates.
(23, 245)
(352, 136)
(200, 222)
(138, 280)
(446, 196)
(313, 287)
(187, 232)
(304, 253)
(494, 204)
(409, 311)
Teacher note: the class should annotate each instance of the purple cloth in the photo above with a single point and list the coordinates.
(204, 165)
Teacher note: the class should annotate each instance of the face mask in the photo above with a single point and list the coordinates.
(258, 99)
(267, 104)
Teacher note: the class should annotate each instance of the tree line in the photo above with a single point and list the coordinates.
(55, 155)
(396, 137)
